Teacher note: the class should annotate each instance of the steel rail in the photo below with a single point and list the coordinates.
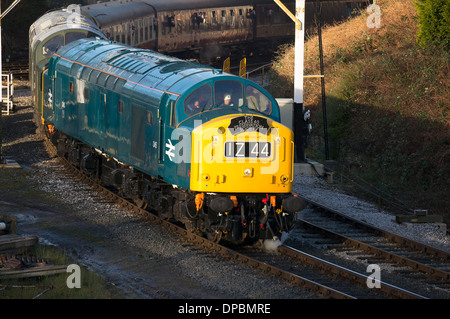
(347, 273)
(378, 252)
(405, 242)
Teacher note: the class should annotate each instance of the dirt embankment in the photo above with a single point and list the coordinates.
(387, 104)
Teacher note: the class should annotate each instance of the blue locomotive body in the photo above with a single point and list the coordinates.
(130, 103)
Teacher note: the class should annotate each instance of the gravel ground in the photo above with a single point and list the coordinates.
(142, 259)
(319, 190)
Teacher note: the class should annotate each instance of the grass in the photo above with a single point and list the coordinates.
(55, 286)
(387, 104)
(17, 186)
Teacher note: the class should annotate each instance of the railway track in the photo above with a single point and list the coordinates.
(326, 279)
(17, 69)
(404, 261)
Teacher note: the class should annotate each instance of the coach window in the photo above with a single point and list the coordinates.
(228, 93)
(213, 21)
(223, 20)
(232, 19)
(204, 21)
(278, 16)
(146, 30)
(141, 30)
(241, 19)
(52, 45)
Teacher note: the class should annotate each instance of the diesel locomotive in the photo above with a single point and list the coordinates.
(195, 144)
(198, 145)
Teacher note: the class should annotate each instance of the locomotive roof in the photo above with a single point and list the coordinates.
(144, 68)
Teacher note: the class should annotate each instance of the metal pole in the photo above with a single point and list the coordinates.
(1, 88)
(299, 125)
(2, 15)
(322, 80)
(299, 51)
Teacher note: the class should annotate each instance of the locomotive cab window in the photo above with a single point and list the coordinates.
(52, 45)
(257, 100)
(200, 99)
(73, 36)
(228, 93)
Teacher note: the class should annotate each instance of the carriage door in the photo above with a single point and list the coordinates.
(138, 128)
(166, 126)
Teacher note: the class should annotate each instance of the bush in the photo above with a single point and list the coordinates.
(434, 22)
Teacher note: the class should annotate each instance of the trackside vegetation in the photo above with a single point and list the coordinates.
(387, 100)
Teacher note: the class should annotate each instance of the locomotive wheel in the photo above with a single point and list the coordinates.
(214, 235)
(141, 203)
(190, 227)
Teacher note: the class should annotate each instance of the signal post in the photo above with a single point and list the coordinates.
(301, 124)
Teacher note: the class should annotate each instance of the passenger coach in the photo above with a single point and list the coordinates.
(49, 33)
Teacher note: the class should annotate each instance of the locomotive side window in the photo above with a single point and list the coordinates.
(86, 93)
(71, 87)
(200, 99)
(149, 118)
(173, 119)
(256, 100)
(228, 93)
(120, 107)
